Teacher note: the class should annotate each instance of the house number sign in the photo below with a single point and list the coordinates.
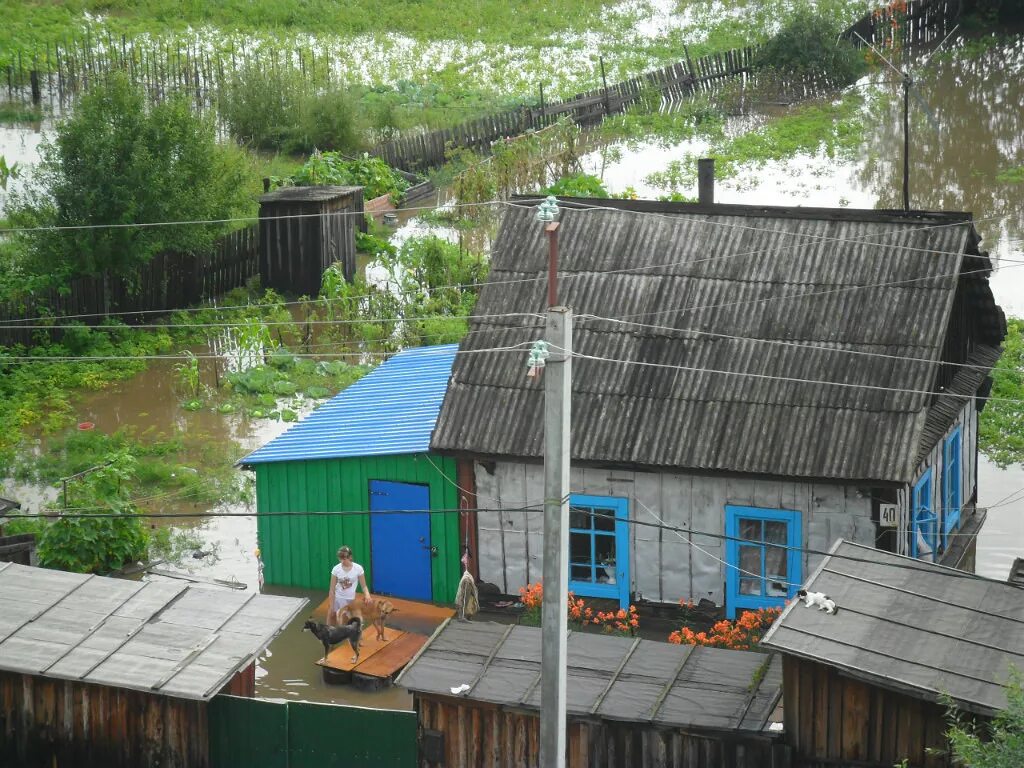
(888, 515)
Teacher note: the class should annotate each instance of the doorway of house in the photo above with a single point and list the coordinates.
(400, 545)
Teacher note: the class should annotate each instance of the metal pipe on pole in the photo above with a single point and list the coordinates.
(555, 574)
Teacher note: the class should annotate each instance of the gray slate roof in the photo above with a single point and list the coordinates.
(611, 678)
(171, 639)
(909, 626)
(701, 278)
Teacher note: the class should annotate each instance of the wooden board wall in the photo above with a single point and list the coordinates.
(56, 723)
(830, 718)
(485, 735)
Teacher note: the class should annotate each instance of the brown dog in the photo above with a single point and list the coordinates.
(375, 613)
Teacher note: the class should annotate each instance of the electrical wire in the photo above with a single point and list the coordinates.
(923, 567)
(793, 379)
(583, 319)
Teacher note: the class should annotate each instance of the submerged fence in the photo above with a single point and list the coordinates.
(168, 282)
(428, 149)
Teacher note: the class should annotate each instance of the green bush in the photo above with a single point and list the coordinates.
(808, 45)
(373, 174)
(579, 185)
(117, 160)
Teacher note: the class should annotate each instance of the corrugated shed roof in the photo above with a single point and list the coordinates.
(612, 678)
(171, 639)
(391, 410)
(879, 285)
(911, 626)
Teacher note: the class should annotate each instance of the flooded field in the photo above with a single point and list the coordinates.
(974, 97)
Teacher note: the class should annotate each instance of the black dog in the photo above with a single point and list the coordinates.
(330, 636)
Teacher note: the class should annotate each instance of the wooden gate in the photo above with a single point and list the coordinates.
(265, 734)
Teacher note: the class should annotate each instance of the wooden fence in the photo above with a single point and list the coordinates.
(923, 21)
(426, 150)
(168, 282)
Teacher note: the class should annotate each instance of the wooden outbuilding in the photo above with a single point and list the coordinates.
(96, 671)
(630, 702)
(358, 471)
(749, 383)
(862, 687)
(303, 230)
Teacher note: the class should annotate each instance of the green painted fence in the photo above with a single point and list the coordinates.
(252, 733)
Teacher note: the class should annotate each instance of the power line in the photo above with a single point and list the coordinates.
(791, 379)
(73, 513)
(821, 347)
(673, 217)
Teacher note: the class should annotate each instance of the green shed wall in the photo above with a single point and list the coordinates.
(300, 551)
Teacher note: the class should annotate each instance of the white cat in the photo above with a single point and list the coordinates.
(819, 599)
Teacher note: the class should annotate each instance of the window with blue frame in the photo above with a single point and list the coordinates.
(599, 547)
(951, 497)
(924, 531)
(763, 557)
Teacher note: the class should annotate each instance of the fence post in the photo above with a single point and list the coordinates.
(604, 82)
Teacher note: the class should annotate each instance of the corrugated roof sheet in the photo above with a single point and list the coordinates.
(613, 678)
(172, 639)
(391, 410)
(911, 626)
(721, 274)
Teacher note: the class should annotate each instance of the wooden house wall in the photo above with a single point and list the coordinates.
(967, 421)
(58, 723)
(830, 719)
(300, 551)
(663, 564)
(488, 736)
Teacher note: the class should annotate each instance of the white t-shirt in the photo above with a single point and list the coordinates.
(345, 587)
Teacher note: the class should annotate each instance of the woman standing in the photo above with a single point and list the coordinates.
(343, 584)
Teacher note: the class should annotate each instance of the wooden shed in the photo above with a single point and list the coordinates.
(357, 471)
(862, 686)
(630, 702)
(116, 673)
(303, 230)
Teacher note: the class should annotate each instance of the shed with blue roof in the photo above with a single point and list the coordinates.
(365, 454)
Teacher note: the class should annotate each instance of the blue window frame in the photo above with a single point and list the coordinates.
(599, 547)
(924, 531)
(951, 498)
(763, 556)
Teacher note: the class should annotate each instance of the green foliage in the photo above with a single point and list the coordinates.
(8, 172)
(373, 174)
(118, 161)
(1011, 175)
(578, 185)
(1000, 436)
(999, 744)
(276, 109)
(809, 45)
(112, 536)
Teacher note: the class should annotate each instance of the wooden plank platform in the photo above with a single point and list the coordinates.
(409, 627)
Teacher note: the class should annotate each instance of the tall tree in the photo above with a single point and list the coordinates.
(118, 160)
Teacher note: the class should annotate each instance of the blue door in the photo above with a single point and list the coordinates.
(762, 552)
(400, 539)
(599, 547)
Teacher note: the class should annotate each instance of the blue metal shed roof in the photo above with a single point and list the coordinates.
(391, 410)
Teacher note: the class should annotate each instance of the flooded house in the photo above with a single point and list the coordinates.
(866, 685)
(358, 471)
(749, 383)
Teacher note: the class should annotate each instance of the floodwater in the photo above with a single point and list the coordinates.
(975, 101)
